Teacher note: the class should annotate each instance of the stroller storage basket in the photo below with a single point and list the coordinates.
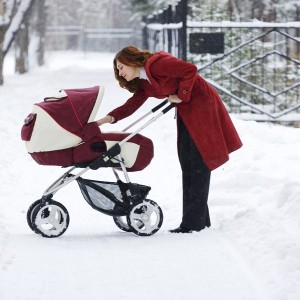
(112, 198)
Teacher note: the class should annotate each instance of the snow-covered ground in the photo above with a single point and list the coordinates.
(251, 251)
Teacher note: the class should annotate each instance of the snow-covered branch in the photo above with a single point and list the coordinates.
(16, 22)
(6, 10)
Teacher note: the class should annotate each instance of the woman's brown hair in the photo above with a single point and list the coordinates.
(134, 57)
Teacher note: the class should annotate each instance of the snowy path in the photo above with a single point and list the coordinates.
(252, 251)
(115, 265)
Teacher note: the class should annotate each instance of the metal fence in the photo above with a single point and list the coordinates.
(255, 66)
(258, 74)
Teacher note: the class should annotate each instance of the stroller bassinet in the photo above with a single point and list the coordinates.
(61, 131)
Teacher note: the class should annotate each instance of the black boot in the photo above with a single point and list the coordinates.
(181, 230)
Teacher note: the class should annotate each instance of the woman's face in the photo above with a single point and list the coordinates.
(128, 72)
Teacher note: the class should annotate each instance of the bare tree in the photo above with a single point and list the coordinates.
(233, 9)
(12, 16)
(21, 47)
(37, 32)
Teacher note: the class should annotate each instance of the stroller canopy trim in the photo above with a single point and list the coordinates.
(52, 133)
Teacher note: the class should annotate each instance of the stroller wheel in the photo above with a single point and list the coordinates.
(121, 222)
(145, 218)
(30, 214)
(50, 220)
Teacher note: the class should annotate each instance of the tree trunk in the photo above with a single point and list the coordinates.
(14, 18)
(22, 42)
(2, 33)
(233, 9)
(41, 31)
(21, 50)
(1, 68)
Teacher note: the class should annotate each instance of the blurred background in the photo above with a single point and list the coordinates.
(248, 49)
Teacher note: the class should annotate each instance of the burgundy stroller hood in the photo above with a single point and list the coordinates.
(61, 131)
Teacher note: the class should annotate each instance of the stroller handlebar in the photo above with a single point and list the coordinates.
(168, 108)
(156, 108)
(153, 110)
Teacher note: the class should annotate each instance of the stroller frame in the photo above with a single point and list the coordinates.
(131, 203)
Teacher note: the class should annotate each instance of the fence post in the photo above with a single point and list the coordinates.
(145, 33)
(169, 20)
(182, 33)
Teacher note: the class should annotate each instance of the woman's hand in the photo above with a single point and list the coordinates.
(174, 99)
(106, 119)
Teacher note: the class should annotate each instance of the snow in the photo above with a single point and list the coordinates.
(158, 26)
(251, 251)
(224, 24)
(253, 24)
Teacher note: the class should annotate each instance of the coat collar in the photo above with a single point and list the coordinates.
(154, 58)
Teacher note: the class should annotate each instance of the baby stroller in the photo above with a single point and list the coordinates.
(60, 131)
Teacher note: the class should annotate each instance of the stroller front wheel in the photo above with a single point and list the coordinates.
(145, 218)
(30, 211)
(50, 220)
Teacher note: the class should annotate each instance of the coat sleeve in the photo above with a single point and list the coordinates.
(129, 107)
(184, 72)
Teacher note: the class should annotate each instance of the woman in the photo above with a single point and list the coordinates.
(206, 134)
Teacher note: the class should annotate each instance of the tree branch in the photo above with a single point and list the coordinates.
(22, 12)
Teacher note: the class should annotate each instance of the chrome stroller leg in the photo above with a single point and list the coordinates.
(62, 181)
(116, 174)
(123, 169)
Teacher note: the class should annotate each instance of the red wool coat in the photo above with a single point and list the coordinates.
(201, 109)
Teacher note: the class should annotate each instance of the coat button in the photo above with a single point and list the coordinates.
(184, 92)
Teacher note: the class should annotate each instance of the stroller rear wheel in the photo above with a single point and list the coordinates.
(121, 222)
(50, 220)
(145, 218)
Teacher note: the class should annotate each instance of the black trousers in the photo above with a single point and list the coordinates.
(195, 181)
